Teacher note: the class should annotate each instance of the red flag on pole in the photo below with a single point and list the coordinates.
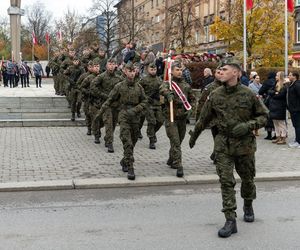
(290, 5)
(34, 40)
(59, 35)
(47, 37)
(249, 4)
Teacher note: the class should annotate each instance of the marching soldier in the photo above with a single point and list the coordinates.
(154, 116)
(132, 100)
(237, 112)
(180, 94)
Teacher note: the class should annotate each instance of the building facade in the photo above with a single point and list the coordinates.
(296, 44)
(171, 23)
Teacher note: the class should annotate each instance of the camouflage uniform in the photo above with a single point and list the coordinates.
(73, 73)
(154, 114)
(85, 90)
(233, 108)
(176, 130)
(100, 89)
(54, 66)
(132, 100)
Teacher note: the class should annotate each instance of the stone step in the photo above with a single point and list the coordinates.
(35, 115)
(42, 123)
(35, 110)
(33, 102)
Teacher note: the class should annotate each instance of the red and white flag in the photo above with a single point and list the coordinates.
(290, 5)
(47, 37)
(182, 96)
(249, 4)
(34, 40)
(59, 35)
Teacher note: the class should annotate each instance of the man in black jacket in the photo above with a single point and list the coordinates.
(293, 103)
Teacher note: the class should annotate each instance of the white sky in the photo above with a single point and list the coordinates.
(56, 7)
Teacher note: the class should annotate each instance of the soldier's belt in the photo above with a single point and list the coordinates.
(127, 106)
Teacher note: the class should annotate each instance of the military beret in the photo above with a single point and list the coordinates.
(152, 65)
(231, 61)
(129, 66)
(96, 61)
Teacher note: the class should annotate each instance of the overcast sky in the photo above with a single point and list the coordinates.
(56, 7)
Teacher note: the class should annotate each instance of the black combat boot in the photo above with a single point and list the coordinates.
(152, 144)
(248, 211)
(89, 132)
(78, 114)
(97, 139)
(179, 172)
(73, 117)
(130, 174)
(110, 148)
(124, 166)
(106, 144)
(228, 229)
(169, 162)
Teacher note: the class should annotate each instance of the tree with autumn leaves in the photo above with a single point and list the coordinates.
(265, 31)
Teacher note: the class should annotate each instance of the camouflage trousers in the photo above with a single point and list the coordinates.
(56, 84)
(155, 120)
(129, 133)
(110, 120)
(88, 119)
(61, 83)
(75, 98)
(176, 134)
(97, 121)
(245, 167)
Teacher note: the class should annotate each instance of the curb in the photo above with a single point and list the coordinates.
(139, 182)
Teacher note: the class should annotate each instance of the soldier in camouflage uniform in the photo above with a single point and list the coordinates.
(73, 73)
(154, 116)
(132, 100)
(102, 59)
(86, 58)
(176, 130)
(237, 112)
(100, 88)
(54, 66)
(93, 71)
(204, 95)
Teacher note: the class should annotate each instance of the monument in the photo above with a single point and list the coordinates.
(15, 13)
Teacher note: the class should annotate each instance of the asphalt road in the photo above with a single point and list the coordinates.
(181, 217)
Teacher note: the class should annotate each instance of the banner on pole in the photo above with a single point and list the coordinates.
(34, 40)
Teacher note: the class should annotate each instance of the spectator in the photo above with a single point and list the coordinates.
(244, 79)
(28, 72)
(263, 91)
(23, 72)
(38, 73)
(251, 77)
(277, 107)
(47, 69)
(255, 85)
(186, 74)
(208, 77)
(293, 104)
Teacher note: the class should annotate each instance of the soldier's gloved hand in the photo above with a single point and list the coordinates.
(131, 113)
(192, 140)
(240, 129)
(170, 96)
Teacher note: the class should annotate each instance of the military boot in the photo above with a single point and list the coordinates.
(155, 139)
(110, 148)
(78, 114)
(97, 139)
(248, 211)
(228, 229)
(124, 166)
(130, 174)
(152, 144)
(89, 132)
(179, 172)
(73, 117)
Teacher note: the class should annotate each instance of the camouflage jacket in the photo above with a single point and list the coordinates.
(85, 85)
(230, 106)
(151, 87)
(73, 73)
(179, 111)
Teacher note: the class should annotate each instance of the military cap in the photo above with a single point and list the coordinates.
(231, 61)
(90, 63)
(96, 61)
(176, 63)
(136, 65)
(129, 66)
(152, 65)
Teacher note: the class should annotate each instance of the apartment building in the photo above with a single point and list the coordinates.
(296, 44)
(165, 23)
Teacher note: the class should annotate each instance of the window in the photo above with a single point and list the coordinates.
(298, 32)
(157, 19)
(297, 2)
(205, 9)
(152, 4)
(197, 11)
(206, 34)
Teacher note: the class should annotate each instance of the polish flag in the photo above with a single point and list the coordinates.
(59, 35)
(34, 40)
(47, 37)
(249, 4)
(290, 5)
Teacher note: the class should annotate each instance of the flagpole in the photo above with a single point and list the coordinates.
(286, 42)
(245, 36)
